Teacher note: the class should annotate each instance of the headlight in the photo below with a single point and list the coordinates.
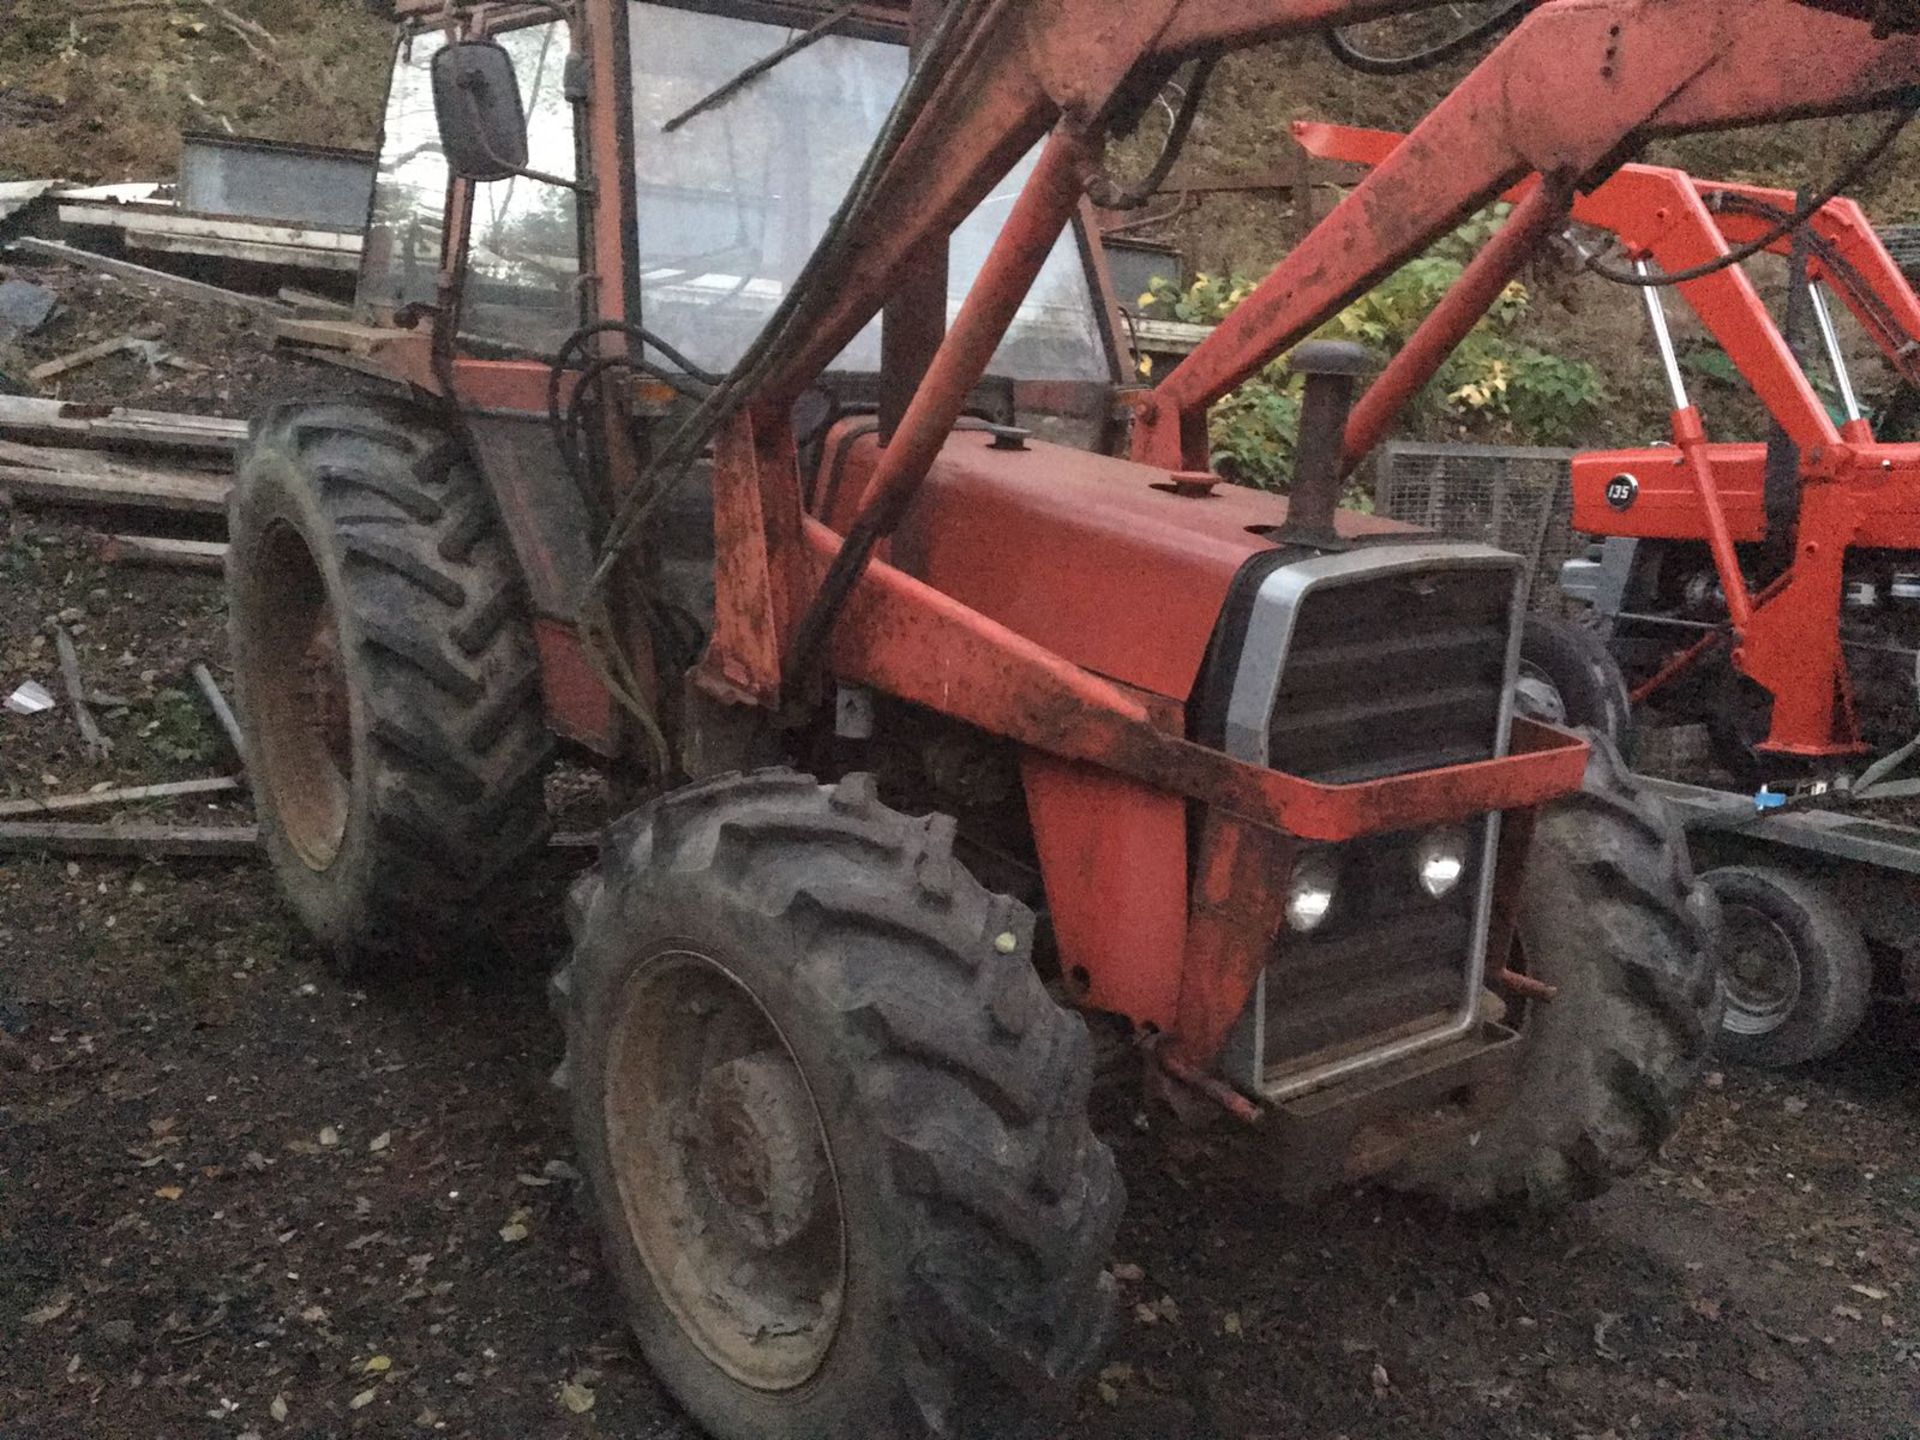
(1440, 859)
(1310, 888)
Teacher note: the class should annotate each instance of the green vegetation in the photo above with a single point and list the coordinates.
(1495, 386)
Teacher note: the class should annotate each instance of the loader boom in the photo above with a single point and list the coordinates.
(1578, 83)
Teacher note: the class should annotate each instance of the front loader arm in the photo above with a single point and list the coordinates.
(1577, 84)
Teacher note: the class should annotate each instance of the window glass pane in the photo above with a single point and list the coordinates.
(732, 203)
(401, 262)
(524, 256)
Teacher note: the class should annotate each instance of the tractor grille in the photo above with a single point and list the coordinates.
(1390, 955)
(1393, 673)
(1355, 667)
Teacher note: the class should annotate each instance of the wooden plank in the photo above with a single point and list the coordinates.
(164, 221)
(24, 417)
(159, 841)
(120, 795)
(343, 336)
(315, 307)
(143, 490)
(66, 460)
(146, 839)
(209, 555)
(159, 279)
(85, 356)
(254, 252)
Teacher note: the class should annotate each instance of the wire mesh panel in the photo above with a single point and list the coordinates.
(1903, 244)
(1517, 497)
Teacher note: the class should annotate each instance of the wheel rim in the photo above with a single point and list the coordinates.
(303, 734)
(1537, 697)
(1761, 971)
(726, 1180)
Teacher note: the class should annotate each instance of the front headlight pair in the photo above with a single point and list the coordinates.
(1439, 861)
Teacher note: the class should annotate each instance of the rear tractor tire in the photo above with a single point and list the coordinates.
(385, 676)
(1613, 918)
(834, 1129)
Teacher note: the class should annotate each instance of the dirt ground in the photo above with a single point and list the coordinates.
(240, 1194)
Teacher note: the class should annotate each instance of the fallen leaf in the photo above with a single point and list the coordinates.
(1601, 1326)
(1872, 1292)
(1848, 1312)
(513, 1232)
(1480, 1300)
(278, 1409)
(380, 1141)
(52, 1310)
(314, 1315)
(576, 1397)
(379, 1365)
(1381, 1381)
(1230, 1322)
(362, 1400)
(1705, 1308)
(559, 1170)
(1794, 1105)
(329, 1135)
(1128, 1274)
(169, 1192)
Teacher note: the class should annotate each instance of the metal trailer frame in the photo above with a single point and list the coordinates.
(1872, 867)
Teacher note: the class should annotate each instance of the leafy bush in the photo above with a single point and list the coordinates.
(1493, 385)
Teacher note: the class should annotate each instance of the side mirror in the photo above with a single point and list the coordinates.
(476, 100)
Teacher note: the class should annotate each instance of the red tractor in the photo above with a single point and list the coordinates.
(945, 734)
(1769, 589)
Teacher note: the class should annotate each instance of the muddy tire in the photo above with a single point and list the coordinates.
(1569, 677)
(385, 676)
(834, 1129)
(1612, 916)
(1795, 968)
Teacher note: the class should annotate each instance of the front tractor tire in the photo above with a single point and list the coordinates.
(385, 676)
(1611, 916)
(834, 1128)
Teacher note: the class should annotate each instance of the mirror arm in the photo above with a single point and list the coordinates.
(579, 187)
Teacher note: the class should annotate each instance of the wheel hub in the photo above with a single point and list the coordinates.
(753, 1145)
(1537, 697)
(302, 714)
(724, 1172)
(1761, 972)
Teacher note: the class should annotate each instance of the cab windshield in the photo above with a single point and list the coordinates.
(733, 201)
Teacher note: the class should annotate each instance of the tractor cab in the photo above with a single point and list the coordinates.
(739, 166)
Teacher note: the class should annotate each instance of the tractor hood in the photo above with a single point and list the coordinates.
(1098, 559)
